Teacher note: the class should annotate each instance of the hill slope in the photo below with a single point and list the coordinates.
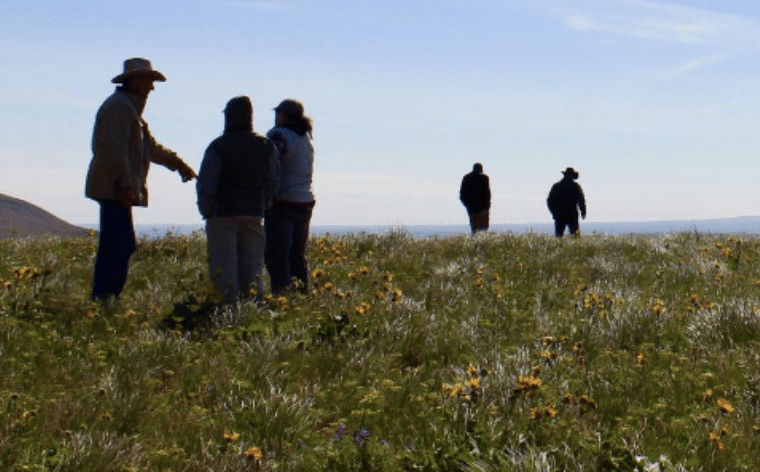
(19, 218)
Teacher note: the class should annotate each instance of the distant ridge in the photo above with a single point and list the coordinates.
(19, 219)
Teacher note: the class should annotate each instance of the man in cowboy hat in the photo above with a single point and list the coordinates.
(122, 150)
(564, 201)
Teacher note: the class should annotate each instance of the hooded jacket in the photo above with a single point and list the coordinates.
(234, 178)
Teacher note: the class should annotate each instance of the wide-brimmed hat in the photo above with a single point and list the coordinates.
(570, 172)
(290, 106)
(137, 66)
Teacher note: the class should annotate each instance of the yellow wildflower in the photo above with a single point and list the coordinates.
(724, 405)
(548, 356)
(231, 437)
(253, 454)
(658, 307)
(714, 438)
(474, 383)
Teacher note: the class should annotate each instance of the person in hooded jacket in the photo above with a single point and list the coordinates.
(564, 201)
(287, 221)
(233, 189)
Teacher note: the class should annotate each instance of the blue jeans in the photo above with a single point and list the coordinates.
(287, 231)
(117, 243)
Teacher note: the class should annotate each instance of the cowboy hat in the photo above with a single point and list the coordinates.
(570, 172)
(137, 66)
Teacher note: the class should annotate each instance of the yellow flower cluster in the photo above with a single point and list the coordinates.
(547, 411)
(597, 304)
(333, 251)
(470, 389)
(698, 304)
(28, 273)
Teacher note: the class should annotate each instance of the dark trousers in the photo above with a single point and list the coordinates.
(117, 243)
(287, 231)
(572, 226)
(478, 220)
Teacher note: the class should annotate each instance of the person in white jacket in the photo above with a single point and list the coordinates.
(122, 150)
(287, 221)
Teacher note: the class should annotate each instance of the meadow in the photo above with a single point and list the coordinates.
(499, 352)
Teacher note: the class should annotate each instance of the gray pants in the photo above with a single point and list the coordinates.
(235, 248)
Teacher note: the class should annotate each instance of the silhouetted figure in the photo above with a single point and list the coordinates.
(475, 194)
(564, 201)
(122, 151)
(287, 221)
(234, 186)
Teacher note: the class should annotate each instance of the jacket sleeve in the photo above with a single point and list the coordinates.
(581, 200)
(464, 192)
(208, 180)
(487, 191)
(274, 177)
(551, 200)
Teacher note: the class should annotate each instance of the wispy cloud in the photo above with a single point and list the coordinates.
(693, 65)
(664, 22)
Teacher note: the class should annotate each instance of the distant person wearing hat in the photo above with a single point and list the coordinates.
(475, 194)
(233, 193)
(287, 221)
(122, 150)
(564, 201)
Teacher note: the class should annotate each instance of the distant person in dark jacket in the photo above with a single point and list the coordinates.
(475, 194)
(564, 201)
(234, 187)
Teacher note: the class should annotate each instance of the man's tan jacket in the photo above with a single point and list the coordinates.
(123, 149)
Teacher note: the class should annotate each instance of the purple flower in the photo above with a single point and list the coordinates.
(340, 431)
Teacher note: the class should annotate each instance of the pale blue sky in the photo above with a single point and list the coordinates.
(656, 104)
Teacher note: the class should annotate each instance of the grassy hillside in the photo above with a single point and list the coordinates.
(498, 352)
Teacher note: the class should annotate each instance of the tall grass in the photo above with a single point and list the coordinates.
(486, 353)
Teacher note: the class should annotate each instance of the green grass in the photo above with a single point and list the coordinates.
(487, 353)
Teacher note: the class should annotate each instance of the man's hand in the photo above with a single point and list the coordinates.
(125, 196)
(186, 172)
